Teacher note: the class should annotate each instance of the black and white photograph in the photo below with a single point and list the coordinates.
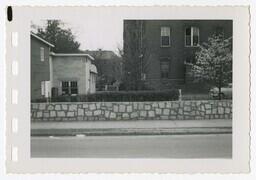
(118, 89)
(143, 89)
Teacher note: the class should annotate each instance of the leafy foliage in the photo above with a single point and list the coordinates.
(214, 62)
(63, 39)
(109, 67)
(119, 96)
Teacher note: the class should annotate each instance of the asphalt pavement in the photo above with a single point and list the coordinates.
(145, 127)
(165, 146)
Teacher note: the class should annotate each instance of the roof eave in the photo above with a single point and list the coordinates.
(72, 54)
(42, 40)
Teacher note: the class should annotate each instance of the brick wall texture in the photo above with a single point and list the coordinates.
(177, 52)
(163, 110)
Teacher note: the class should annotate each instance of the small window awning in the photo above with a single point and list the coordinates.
(93, 69)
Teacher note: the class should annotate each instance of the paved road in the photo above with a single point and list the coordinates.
(132, 124)
(169, 146)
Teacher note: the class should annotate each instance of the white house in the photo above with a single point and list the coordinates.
(59, 74)
(72, 74)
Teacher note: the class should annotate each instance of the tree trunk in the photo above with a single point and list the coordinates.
(219, 92)
(219, 85)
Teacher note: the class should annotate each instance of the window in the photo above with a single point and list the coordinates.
(164, 68)
(42, 53)
(43, 88)
(73, 87)
(69, 87)
(165, 37)
(192, 36)
(65, 87)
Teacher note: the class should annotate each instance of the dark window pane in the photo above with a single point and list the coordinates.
(194, 32)
(73, 84)
(73, 88)
(188, 40)
(64, 84)
(188, 31)
(74, 91)
(64, 87)
(64, 90)
(165, 40)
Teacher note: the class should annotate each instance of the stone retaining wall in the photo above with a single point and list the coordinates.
(167, 110)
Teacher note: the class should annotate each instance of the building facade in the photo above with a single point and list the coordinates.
(40, 67)
(165, 47)
(59, 74)
(73, 74)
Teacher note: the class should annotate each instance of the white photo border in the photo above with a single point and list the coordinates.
(25, 164)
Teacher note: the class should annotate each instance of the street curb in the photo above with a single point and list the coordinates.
(132, 131)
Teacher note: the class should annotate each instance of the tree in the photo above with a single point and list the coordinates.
(135, 55)
(63, 39)
(214, 62)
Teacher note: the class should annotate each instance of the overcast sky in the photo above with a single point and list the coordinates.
(94, 34)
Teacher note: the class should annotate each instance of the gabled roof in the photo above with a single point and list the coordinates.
(72, 54)
(42, 40)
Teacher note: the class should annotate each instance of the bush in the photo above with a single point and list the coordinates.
(119, 96)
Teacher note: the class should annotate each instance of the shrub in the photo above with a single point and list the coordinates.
(119, 96)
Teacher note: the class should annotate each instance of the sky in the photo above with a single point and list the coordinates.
(93, 35)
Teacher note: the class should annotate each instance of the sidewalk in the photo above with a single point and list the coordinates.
(140, 127)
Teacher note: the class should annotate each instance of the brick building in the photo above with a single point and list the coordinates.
(161, 48)
(59, 74)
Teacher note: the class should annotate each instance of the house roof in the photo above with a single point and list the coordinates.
(40, 39)
(72, 54)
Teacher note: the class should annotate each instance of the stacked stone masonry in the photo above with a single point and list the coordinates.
(164, 110)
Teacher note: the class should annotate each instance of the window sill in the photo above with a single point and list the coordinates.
(192, 46)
